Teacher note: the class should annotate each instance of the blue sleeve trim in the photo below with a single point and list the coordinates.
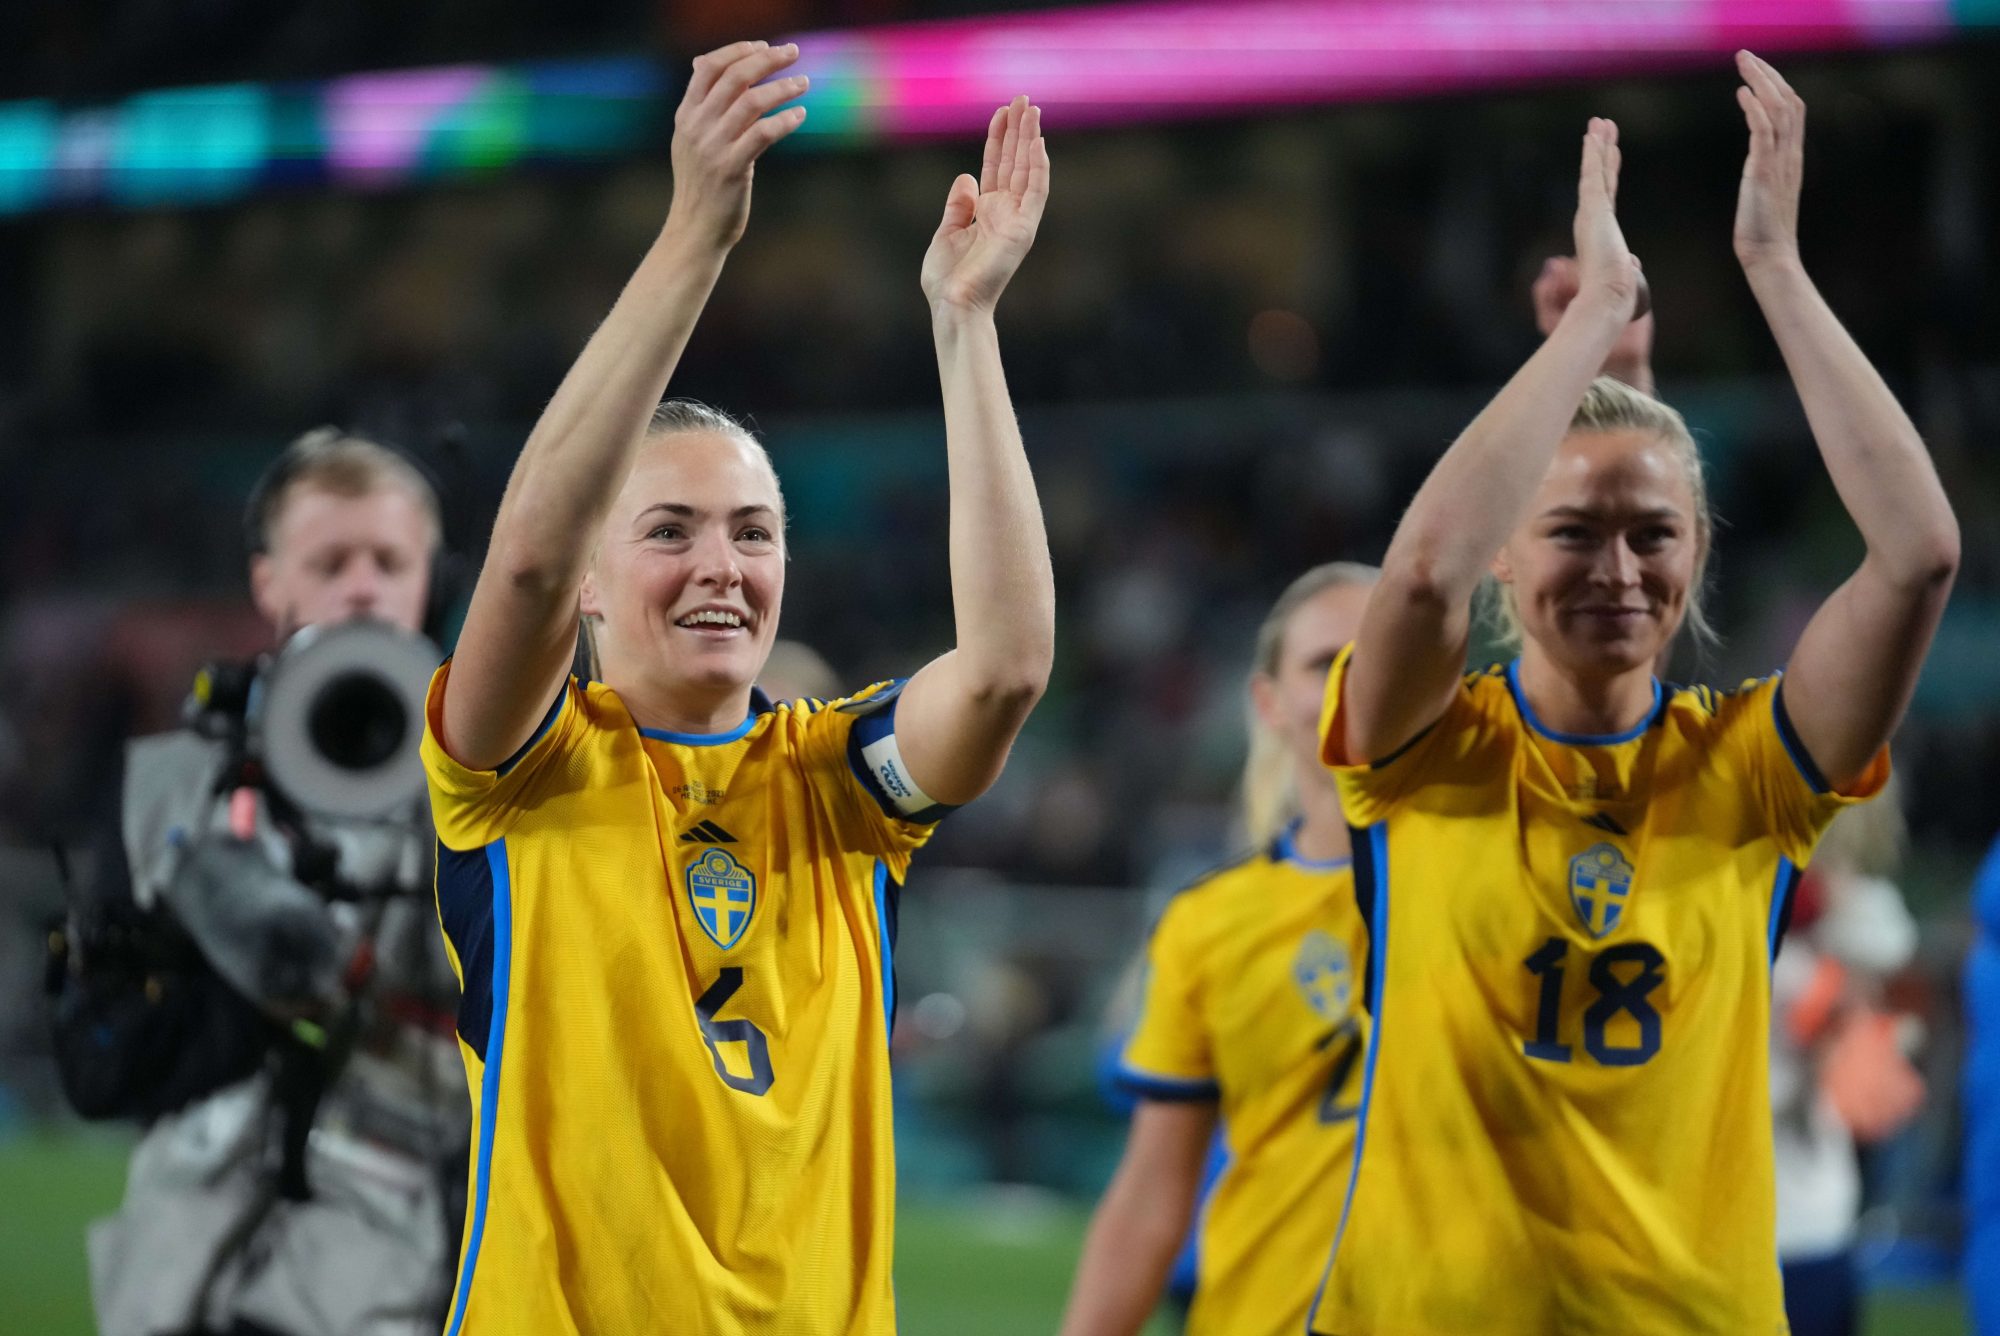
(1185, 1278)
(875, 715)
(502, 914)
(1383, 763)
(1370, 845)
(1147, 1085)
(465, 907)
(1793, 747)
(872, 725)
(1371, 887)
(541, 731)
(1783, 889)
(888, 896)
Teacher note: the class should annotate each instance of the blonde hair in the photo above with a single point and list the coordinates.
(1612, 405)
(329, 460)
(675, 417)
(1270, 791)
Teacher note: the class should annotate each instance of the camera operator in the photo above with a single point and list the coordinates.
(256, 971)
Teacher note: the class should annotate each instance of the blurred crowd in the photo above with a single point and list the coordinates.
(1238, 350)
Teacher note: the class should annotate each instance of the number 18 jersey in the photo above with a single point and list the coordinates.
(1566, 1124)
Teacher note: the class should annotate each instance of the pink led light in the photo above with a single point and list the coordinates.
(378, 124)
(1167, 61)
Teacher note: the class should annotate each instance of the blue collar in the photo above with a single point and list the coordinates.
(1286, 850)
(760, 704)
(1579, 739)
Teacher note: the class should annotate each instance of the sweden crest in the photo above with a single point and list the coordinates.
(1600, 880)
(1325, 975)
(723, 895)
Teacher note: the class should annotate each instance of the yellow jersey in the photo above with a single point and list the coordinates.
(675, 953)
(1565, 1121)
(1252, 999)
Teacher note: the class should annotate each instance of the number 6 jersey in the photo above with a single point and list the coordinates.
(675, 953)
(1565, 1118)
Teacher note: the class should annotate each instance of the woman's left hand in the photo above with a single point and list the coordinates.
(989, 224)
(1767, 203)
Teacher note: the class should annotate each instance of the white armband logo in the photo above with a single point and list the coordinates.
(884, 760)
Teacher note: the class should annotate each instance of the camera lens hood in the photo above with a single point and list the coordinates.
(340, 716)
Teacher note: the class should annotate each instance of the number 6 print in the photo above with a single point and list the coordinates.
(716, 1033)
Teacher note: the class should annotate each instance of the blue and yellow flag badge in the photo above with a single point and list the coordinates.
(1599, 881)
(1325, 975)
(723, 895)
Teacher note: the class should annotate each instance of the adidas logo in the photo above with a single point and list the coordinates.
(1606, 822)
(707, 832)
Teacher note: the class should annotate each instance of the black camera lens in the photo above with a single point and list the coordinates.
(357, 722)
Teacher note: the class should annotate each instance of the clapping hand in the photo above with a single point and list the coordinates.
(720, 130)
(1767, 202)
(989, 224)
(1606, 270)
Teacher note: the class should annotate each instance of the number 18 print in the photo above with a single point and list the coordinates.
(1627, 992)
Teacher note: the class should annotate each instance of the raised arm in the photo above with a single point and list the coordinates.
(958, 716)
(1852, 673)
(520, 630)
(1139, 1226)
(1410, 650)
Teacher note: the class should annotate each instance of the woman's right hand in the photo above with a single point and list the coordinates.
(720, 130)
(1607, 273)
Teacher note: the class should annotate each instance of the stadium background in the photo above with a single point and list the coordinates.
(1243, 335)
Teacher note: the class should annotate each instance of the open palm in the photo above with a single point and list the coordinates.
(989, 224)
(1767, 202)
(1603, 263)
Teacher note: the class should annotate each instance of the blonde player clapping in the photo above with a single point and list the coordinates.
(1577, 876)
(672, 901)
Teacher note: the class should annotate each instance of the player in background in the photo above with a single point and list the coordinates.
(672, 903)
(1251, 1018)
(1575, 879)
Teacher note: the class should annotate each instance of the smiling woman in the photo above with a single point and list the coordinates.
(671, 901)
(1627, 480)
(1575, 877)
(682, 595)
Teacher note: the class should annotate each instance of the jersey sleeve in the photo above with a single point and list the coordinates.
(1168, 1055)
(1372, 788)
(852, 752)
(1793, 798)
(473, 808)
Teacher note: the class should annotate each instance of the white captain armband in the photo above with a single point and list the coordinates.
(878, 761)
